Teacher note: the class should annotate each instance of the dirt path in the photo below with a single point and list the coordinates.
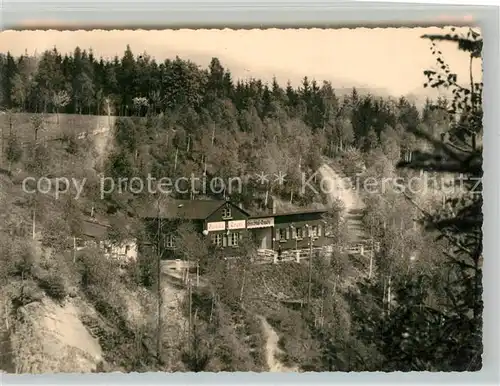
(339, 187)
(174, 323)
(272, 350)
(102, 137)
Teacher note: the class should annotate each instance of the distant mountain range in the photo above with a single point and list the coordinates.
(418, 96)
(342, 86)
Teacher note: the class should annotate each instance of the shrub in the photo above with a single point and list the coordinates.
(56, 233)
(141, 272)
(28, 293)
(14, 149)
(96, 270)
(199, 356)
(19, 260)
(54, 287)
(71, 143)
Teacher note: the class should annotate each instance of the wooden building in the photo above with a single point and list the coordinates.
(95, 233)
(224, 223)
(292, 230)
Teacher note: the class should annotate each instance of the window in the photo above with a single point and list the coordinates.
(282, 234)
(233, 239)
(314, 231)
(226, 212)
(79, 243)
(127, 249)
(300, 233)
(217, 239)
(170, 241)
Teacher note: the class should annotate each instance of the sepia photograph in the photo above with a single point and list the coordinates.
(241, 200)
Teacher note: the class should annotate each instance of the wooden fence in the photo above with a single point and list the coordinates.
(268, 255)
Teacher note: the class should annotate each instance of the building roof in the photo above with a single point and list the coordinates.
(94, 229)
(292, 213)
(201, 209)
(183, 209)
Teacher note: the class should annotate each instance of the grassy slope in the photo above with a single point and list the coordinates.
(236, 334)
(40, 330)
(54, 127)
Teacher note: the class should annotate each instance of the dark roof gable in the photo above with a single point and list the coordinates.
(186, 209)
(94, 229)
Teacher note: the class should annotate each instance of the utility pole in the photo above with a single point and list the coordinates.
(190, 327)
(197, 274)
(158, 279)
(389, 295)
(371, 255)
(33, 229)
(309, 286)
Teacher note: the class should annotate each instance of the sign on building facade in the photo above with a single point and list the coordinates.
(216, 226)
(260, 222)
(236, 224)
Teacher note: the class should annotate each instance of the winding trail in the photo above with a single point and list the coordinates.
(336, 187)
(339, 187)
(272, 350)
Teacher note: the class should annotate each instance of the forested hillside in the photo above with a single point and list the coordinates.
(197, 120)
(420, 310)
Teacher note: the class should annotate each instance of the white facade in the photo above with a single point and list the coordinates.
(126, 251)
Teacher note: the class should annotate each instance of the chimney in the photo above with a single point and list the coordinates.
(274, 206)
(240, 205)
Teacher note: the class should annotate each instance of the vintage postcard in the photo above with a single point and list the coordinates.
(262, 200)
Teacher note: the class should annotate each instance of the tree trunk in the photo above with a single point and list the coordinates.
(190, 317)
(33, 225)
(383, 292)
(389, 296)
(242, 286)
(212, 309)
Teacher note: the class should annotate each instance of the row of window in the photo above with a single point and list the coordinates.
(170, 241)
(297, 233)
(219, 239)
(232, 239)
(224, 240)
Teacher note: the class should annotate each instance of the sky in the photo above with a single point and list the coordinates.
(388, 59)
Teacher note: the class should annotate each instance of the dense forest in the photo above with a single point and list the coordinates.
(138, 85)
(175, 118)
(208, 120)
